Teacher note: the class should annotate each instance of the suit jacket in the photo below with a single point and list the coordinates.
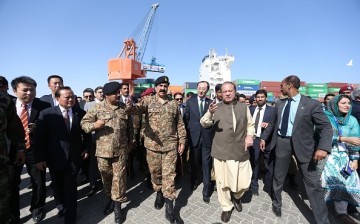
(192, 123)
(304, 139)
(269, 114)
(36, 107)
(48, 99)
(55, 144)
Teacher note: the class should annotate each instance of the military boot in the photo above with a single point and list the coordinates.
(109, 207)
(169, 212)
(159, 201)
(119, 218)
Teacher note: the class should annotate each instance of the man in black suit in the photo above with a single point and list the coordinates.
(28, 109)
(200, 140)
(262, 114)
(61, 146)
(294, 125)
(54, 82)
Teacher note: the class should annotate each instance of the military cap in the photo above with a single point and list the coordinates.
(147, 91)
(111, 87)
(345, 88)
(162, 79)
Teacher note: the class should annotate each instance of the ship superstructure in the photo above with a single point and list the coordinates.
(215, 69)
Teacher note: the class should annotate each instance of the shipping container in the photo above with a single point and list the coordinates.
(333, 89)
(271, 88)
(302, 89)
(139, 89)
(141, 81)
(247, 92)
(270, 93)
(190, 85)
(247, 87)
(336, 84)
(270, 98)
(317, 90)
(146, 85)
(190, 90)
(269, 84)
(317, 85)
(246, 82)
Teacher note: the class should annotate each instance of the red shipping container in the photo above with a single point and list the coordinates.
(269, 83)
(271, 88)
(336, 84)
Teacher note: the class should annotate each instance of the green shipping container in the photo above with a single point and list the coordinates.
(317, 90)
(302, 89)
(139, 89)
(146, 85)
(313, 95)
(246, 82)
(190, 90)
(270, 94)
(333, 90)
(317, 85)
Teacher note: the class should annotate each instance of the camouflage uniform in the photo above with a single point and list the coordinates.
(10, 127)
(164, 130)
(112, 146)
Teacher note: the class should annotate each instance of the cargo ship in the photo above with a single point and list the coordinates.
(215, 69)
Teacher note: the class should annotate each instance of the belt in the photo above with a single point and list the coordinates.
(287, 137)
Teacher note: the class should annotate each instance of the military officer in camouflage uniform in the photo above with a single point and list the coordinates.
(114, 134)
(10, 127)
(165, 136)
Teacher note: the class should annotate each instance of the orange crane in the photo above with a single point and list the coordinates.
(127, 66)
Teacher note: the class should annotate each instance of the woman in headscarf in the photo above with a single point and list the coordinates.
(339, 178)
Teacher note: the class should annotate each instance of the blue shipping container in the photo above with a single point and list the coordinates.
(247, 87)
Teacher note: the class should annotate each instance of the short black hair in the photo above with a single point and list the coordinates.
(190, 94)
(124, 84)
(97, 88)
(218, 87)
(261, 91)
(22, 79)
(3, 81)
(57, 93)
(242, 95)
(293, 80)
(88, 90)
(208, 84)
(177, 93)
(328, 94)
(56, 77)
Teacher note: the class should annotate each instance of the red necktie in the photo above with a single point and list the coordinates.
(24, 117)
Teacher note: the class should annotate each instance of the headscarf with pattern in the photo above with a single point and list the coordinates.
(333, 110)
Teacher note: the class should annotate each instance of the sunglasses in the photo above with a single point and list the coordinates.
(88, 96)
(178, 99)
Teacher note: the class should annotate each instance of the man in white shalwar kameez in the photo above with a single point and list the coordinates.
(234, 131)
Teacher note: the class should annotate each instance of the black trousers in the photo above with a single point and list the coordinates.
(65, 189)
(37, 178)
(201, 164)
(94, 173)
(310, 176)
(269, 155)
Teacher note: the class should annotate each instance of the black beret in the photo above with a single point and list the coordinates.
(111, 87)
(162, 79)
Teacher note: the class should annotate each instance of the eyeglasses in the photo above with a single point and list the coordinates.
(178, 99)
(90, 96)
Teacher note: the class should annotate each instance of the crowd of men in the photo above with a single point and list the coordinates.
(219, 140)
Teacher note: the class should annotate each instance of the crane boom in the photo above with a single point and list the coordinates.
(146, 33)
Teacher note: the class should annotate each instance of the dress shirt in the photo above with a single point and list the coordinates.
(19, 107)
(70, 114)
(293, 108)
(262, 112)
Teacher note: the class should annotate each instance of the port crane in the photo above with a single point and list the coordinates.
(128, 65)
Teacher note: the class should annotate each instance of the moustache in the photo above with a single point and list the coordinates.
(162, 91)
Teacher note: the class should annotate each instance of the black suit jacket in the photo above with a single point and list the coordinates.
(48, 99)
(309, 117)
(55, 144)
(36, 107)
(192, 123)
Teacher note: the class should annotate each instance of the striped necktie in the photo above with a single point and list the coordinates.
(24, 117)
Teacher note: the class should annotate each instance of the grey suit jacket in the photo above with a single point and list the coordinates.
(309, 118)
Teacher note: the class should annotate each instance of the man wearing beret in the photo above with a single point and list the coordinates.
(114, 134)
(165, 136)
(347, 90)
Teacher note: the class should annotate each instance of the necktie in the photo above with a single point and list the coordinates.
(24, 117)
(285, 118)
(66, 119)
(257, 119)
(201, 107)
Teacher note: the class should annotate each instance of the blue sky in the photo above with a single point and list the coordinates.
(269, 38)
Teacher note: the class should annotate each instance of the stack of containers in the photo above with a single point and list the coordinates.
(190, 87)
(142, 84)
(248, 87)
(334, 87)
(317, 91)
(174, 89)
(272, 88)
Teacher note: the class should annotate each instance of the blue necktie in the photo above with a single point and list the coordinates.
(285, 118)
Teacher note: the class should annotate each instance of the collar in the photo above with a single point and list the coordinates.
(62, 109)
(18, 103)
(262, 108)
(297, 97)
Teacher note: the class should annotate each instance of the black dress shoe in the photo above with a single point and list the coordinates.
(206, 199)
(237, 204)
(225, 216)
(255, 192)
(159, 201)
(37, 215)
(277, 211)
(29, 186)
(60, 213)
(92, 191)
(109, 207)
(345, 218)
